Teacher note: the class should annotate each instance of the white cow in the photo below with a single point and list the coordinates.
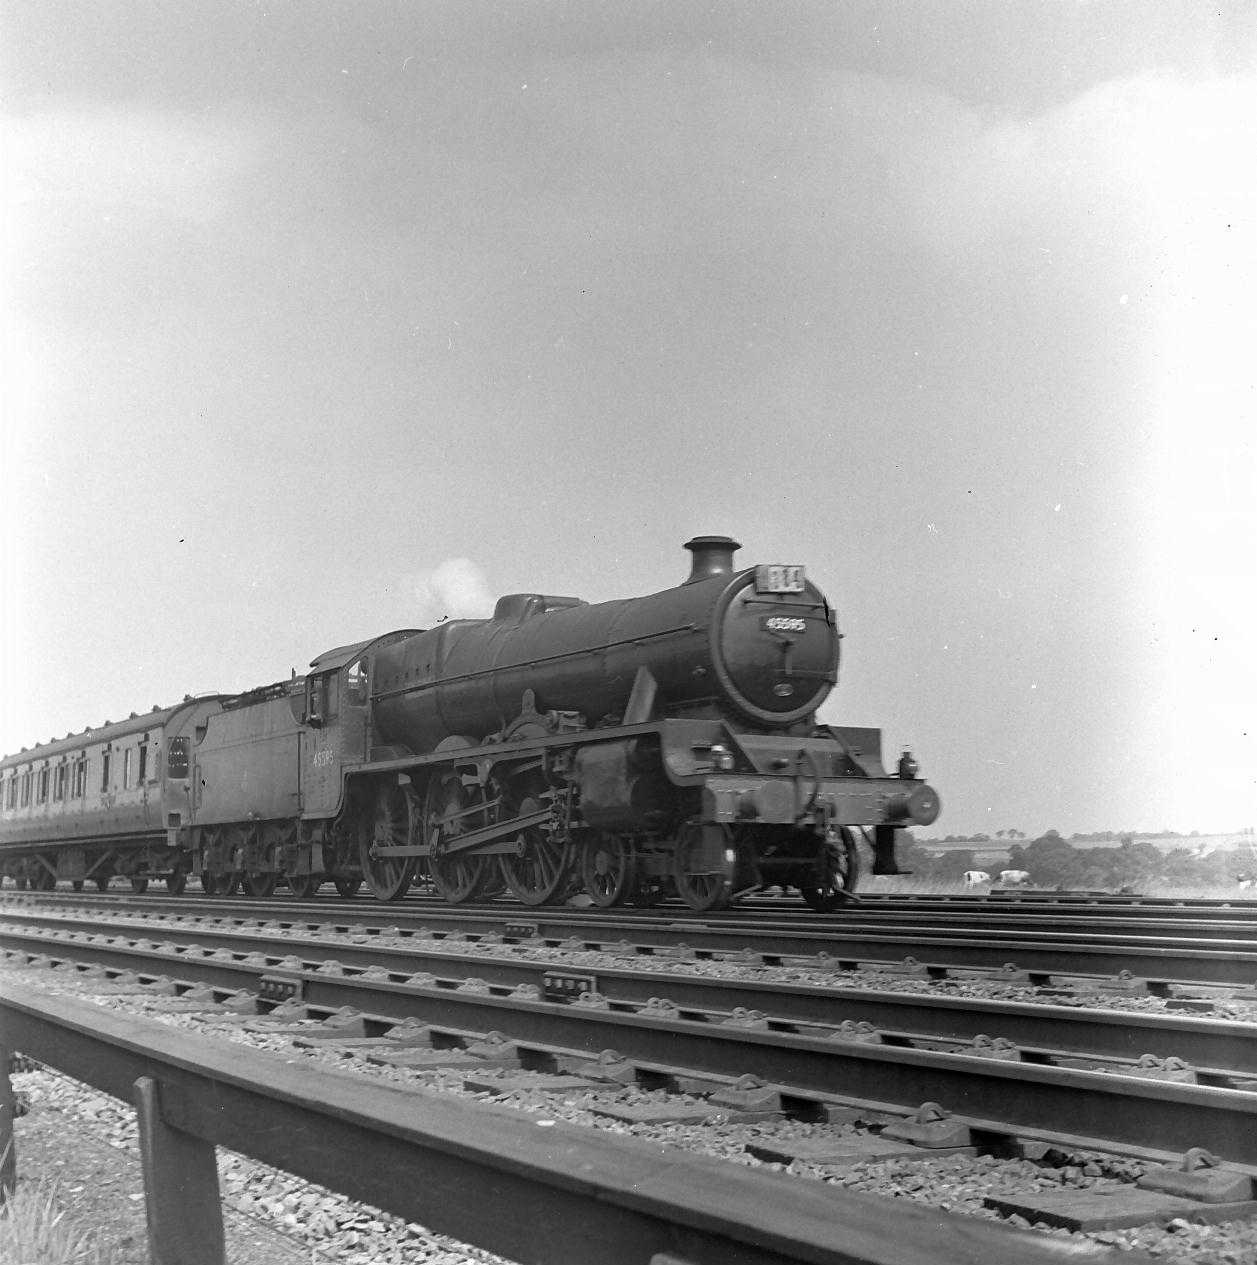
(975, 878)
(1014, 878)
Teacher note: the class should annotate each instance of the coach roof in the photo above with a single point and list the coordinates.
(137, 722)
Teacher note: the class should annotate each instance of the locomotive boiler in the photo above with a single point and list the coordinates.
(761, 649)
(640, 747)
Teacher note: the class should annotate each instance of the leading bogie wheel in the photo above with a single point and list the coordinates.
(176, 881)
(393, 822)
(608, 869)
(835, 873)
(702, 865)
(139, 884)
(451, 811)
(348, 886)
(102, 882)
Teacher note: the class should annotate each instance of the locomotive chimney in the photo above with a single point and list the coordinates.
(713, 555)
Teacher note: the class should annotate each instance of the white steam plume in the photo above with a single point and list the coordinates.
(455, 589)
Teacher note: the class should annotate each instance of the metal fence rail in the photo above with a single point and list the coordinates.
(554, 1195)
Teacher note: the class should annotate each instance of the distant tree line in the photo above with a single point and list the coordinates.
(1052, 861)
(1088, 836)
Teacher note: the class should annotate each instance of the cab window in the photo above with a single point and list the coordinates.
(316, 700)
(356, 684)
(321, 699)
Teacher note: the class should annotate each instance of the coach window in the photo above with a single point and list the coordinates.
(80, 777)
(12, 791)
(59, 781)
(143, 772)
(126, 768)
(41, 793)
(104, 771)
(26, 788)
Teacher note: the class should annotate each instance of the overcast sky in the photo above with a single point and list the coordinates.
(323, 319)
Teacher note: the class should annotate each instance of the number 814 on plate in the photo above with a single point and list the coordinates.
(776, 578)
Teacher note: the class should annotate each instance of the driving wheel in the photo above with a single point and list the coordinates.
(453, 810)
(392, 823)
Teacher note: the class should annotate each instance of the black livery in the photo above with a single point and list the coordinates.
(634, 749)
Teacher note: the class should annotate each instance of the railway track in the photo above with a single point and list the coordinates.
(561, 1194)
(1185, 916)
(808, 1036)
(1010, 1074)
(945, 942)
(1026, 900)
(806, 990)
(1034, 900)
(1159, 917)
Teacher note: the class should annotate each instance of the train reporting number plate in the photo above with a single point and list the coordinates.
(774, 578)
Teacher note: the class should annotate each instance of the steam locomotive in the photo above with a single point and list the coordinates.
(635, 749)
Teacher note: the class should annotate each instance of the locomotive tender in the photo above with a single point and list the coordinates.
(637, 748)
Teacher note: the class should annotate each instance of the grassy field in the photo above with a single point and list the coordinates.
(992, 856)
(908, 883)
(35, 1229)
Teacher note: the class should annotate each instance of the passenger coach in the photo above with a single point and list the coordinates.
(108, 802)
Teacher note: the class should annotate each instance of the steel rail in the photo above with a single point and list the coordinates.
(1047, 900)
(1201, 1042)
(1227, 962)
(1041, 905)
(1013, 918)
(1007, 916)
(1030, 905)
(558, 1196)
